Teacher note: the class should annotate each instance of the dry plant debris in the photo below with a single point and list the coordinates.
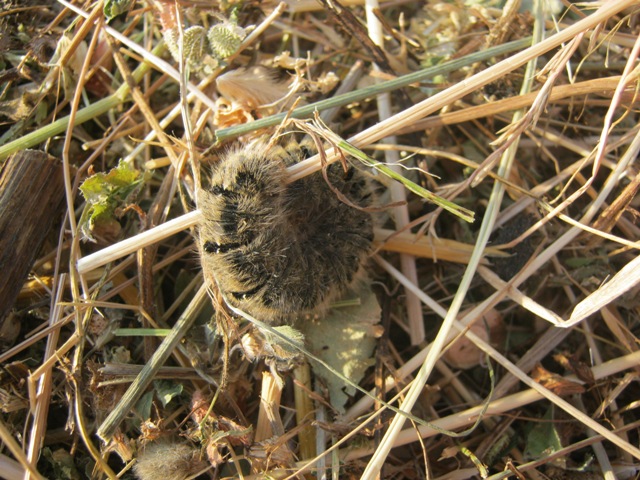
(497, 341)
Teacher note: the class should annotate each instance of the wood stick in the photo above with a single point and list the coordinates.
(31, 199)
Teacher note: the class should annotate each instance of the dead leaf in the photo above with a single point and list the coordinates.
(345, 339)
(556, 383)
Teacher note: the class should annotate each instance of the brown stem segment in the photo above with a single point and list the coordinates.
(31, 199)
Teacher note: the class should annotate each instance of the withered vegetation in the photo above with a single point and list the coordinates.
(501, 337)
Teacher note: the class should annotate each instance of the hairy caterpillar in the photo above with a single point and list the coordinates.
(279, 250)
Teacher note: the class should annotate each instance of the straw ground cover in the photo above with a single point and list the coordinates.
(497, 334)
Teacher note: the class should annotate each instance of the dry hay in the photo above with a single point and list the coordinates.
(114, 363)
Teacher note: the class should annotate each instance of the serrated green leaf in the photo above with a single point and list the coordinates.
(119, 180)
(113, 8)
(104, 192)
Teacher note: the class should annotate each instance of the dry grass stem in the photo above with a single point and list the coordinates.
(397, 192)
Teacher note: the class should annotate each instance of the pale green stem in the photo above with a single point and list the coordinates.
(87, 113)
(374, 90)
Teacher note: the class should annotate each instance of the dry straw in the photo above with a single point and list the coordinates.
(609, 156)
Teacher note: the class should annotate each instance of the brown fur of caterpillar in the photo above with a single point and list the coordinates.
(280, 250)
(168, 460)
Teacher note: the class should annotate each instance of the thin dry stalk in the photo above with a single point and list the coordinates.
(398, 193)
(16, 451)
(450, 95)
(499, 406)
(135, 390)
(41, 399)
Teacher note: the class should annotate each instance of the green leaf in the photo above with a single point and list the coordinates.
(116, 181)
(543, 439)
(104, 193)
(195, 43)
(143, 407)
(194, 46)
(62, 462)
(167, 390)
(204, 50)
(113, 8)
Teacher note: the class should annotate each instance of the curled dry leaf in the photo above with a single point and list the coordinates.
(575, 365)
(556, 383)
(463, 354)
